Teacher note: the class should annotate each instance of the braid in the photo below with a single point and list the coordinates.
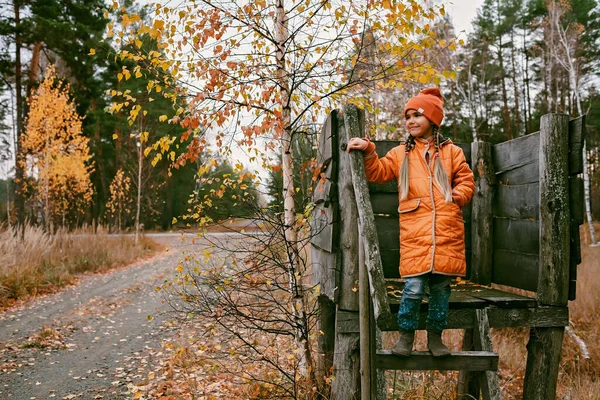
(438, 169)
(403, 186)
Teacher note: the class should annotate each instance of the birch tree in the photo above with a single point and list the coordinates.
(567, 38)
(56, 155)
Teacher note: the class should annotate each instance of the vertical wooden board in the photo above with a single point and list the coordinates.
(482, 231)
(543, 359)
(575, 244)
(388, 231)
(576, 199)
(466, 148)
(555, 217)
(515, 153)
(384, 146)
(576, 139)
(323, 229)
(327, 139)
(490, 388)
(385, 203)
(348, 260)
(515, 269)
(325, 274)
(572, 290)
(517, 201)
(518, 235)
(346, 367)
(521, 175)
(468, 384)
(325, 341)
(390, 260)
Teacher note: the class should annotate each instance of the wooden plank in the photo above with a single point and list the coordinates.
(543, 359)
(555, 217)
(461, 297)
(366, 223)
(366, 384)
(516, 153)
(323, 229)
(528, 317)
(348, 243)
(515, 269)
(466, 148)
(521, 175)
(468, 384)
(325, 271)
(325, 341)
(572, 290)
(458, 301)
(517, 201)
(575, 250)
(576, 199)
(327, 143)
(423, 360)
(481, 232)
(542, 316)
(577, 129)
(388, 231)
(346, 366)
(390, 187)
(384, 203)
(519, 235)
(390, 260)
(482, 339)
(384, 146)
(502, 299)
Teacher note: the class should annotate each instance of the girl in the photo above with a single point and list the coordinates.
(434, 182)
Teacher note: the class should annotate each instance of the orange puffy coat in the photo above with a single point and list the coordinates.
(432, 237)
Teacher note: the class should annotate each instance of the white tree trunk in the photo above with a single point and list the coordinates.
(139, 193)
(289, 218)
(571, 67)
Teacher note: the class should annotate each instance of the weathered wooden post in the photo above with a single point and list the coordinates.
(346, 360)
(544, 347)
(481, 245)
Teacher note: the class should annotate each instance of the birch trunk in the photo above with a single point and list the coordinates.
(569, 64)
(515, 86)
(19, 206)
(289, 219)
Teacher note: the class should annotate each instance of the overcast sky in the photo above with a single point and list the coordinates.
(462, 13)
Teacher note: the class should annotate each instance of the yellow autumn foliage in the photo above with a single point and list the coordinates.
(58, 162)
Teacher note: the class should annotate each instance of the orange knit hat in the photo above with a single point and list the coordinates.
(428, 102)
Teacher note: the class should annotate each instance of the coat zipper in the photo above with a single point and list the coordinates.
(433, 210)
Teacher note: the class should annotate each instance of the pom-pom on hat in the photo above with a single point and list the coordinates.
(428, 102)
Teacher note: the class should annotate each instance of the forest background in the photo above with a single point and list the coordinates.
(510, 70)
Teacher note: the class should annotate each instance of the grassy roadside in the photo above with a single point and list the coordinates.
(43, 263)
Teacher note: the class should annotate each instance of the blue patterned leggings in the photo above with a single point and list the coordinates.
(439, 296)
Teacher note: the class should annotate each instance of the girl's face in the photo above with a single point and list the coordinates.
(418, 125)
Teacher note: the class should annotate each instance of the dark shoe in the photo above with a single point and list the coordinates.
(404, 345)
(436, 347)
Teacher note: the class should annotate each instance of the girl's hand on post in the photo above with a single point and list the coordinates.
(356, 144)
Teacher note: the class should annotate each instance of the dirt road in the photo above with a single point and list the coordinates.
(98, 334)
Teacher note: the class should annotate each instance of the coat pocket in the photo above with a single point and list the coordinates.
(409, 205)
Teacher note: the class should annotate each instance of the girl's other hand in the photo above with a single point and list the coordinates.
(356, 144)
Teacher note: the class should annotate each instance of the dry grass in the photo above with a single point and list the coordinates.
(41, 263)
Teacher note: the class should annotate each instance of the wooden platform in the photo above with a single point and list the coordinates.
(465, 295)
(423, 360)
(504, 309)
